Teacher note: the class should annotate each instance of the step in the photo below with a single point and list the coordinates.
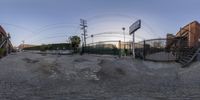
(182, 62)
(189, 56)
(186, 58)
(185, 65)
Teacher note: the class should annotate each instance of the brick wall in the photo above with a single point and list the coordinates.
(192, 32)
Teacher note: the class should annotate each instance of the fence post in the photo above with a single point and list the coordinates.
(144, 50)
(119, 48)
(129, 48)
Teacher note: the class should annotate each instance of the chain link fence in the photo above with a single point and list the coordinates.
(161, 49)
(110, 48)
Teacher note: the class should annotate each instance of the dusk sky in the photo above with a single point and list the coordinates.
(52, 21)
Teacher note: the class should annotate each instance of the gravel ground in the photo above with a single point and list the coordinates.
(32, 76)
(165, 56)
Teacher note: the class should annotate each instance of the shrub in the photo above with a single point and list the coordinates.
(2, 51)
(43, 48)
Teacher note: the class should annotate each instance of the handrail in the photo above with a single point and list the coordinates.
(3, 42)
(193, 57)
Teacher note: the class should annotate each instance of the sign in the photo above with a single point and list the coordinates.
(134, 27)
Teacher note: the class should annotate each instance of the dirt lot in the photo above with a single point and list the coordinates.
(32, 76)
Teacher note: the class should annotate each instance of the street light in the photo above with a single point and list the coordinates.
(92, 38)
(23, 44)
(123, 28)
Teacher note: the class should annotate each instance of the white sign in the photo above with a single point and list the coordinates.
(135, 26)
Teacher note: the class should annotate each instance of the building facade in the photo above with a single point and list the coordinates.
(5, 44)
(190, 34)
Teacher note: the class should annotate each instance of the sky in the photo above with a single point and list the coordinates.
(54, 21)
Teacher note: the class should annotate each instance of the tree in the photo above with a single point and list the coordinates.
(75, 42)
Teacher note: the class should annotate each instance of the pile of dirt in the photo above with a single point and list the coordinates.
(86, 68)
(111, 69)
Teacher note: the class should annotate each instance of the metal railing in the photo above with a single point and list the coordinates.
(3, 42)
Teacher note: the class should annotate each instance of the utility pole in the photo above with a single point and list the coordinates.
(83, 24)
(83, 27)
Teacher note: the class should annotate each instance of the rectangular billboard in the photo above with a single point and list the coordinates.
(135, 26)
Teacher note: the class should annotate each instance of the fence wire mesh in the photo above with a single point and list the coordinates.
(109, 47)
(161, 49)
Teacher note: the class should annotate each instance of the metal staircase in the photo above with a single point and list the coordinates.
(185, 55)
(3, 42)
(188, 56)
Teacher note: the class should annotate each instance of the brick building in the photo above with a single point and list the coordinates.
(190, 34)
(5, 44)
(2, 34)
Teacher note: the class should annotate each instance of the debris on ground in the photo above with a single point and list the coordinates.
(32, 76)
